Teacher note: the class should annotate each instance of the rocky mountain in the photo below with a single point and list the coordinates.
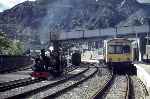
(31, 21)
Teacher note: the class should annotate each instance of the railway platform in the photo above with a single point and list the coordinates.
(91, 61)
(143, 72)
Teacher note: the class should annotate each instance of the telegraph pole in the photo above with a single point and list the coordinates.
(147, 43)
(116, 32)
(148, 20)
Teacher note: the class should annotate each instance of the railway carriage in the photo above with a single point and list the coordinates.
(118, 55)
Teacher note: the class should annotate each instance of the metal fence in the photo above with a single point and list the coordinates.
(10, 62)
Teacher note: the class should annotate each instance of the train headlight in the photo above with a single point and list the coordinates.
(32, 78)
(51, 48)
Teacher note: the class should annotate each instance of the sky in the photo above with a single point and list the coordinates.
(143, 1)
(6, 4)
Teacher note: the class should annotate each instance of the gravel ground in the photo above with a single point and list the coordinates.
(15, 75)
(27, 88)
(70, 68)
(23, 72)
(11, 77)
(138, 90)
(88, 88)
(118, 89)
(63, 85)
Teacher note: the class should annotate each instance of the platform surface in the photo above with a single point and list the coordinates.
(143, 72)
(91, 61)
(146, 67)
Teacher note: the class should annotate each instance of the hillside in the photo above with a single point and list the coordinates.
(31, 21)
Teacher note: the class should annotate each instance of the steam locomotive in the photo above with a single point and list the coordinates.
(52, 65)
(46, 66)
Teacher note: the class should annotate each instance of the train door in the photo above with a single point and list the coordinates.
(135, 54)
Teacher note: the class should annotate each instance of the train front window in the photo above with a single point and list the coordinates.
(126, 49)
(111, 49)
(118, 49)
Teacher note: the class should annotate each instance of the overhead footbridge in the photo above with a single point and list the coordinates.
(108, 32)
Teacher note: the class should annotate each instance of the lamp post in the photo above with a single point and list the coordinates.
(148, 21)
(147, 37)
(83, 32)
(51, 48)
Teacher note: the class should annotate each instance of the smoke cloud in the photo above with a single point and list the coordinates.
(52, 22)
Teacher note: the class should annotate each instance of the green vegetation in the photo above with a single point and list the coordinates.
(15, 48)
(4, 42)
(10, 47)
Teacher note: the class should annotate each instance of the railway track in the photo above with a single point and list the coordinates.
(102, 90)
(8, 70)
(37, 87)
(89, 87)
(65, 86)
(117, 87)
(26, 81)
(17, 83)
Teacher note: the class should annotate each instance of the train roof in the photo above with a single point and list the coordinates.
(118, 39)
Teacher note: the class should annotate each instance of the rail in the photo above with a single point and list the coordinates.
(37, 90)
(63, 90)
(128, 90)
(102, 90)
(26, 81)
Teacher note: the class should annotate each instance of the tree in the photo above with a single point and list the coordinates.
(4, 42)
(16, 48)
(10, 47)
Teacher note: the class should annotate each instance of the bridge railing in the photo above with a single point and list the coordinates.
(124, 30)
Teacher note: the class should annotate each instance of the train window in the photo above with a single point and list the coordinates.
(118, 49)
(111, 49)
(126, 49)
